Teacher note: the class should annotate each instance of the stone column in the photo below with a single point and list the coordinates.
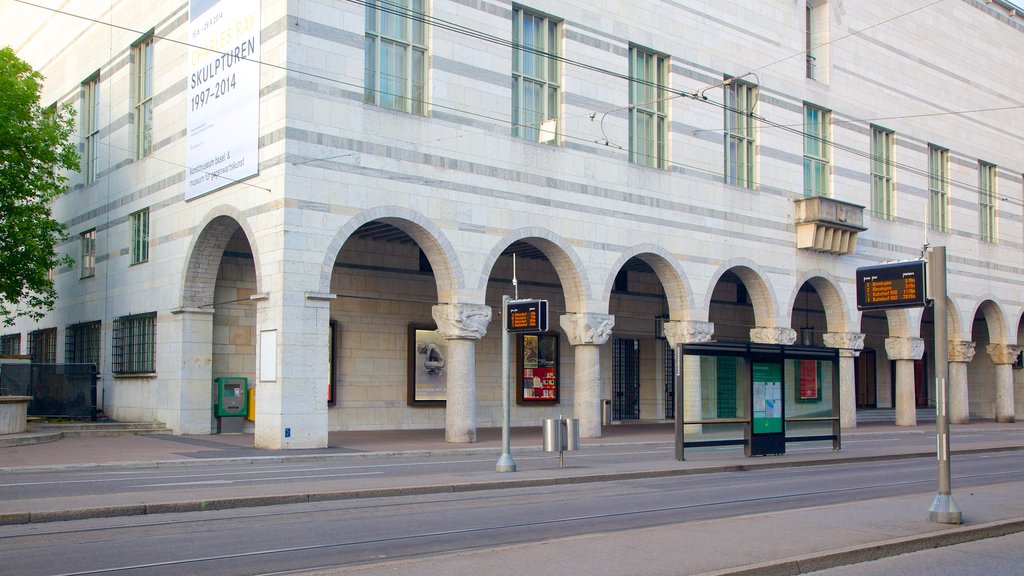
(1003, 356)
(763, 335)
(461, 325)
(587, 332)
(188, 407)
(904, 351)
(960, 354)
(849, 344)
(690, 332)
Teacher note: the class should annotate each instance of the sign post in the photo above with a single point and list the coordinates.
(943, 508)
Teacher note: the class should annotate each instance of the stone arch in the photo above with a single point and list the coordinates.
(667, 268)
(206, 251)
(995, 319)
(954, 323)
(833, 300)
(435, 245)
(900, 324)
(563, 258)
(761, 296)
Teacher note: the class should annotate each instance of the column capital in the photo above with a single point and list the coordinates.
(764, 335)
(461, 321)
(587, 328)
(961, 351)
(844, 340)
(906, 348)
(688, 331)
(1002, 353)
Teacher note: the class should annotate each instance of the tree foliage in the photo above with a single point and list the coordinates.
(35, 151)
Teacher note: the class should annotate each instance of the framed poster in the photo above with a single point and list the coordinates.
(427, 371)
(537, 369)
(809, 389)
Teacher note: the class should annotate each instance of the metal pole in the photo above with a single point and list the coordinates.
(505, 462)
(943, 508)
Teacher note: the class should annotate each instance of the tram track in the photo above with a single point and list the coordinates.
(505, 532)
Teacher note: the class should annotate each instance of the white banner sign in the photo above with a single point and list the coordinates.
(223, 94)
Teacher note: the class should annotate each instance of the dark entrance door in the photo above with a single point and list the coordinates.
(625, 379)
(867, 383)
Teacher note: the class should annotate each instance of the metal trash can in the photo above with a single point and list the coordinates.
(553, 435)
(606, 412)
(572, 434)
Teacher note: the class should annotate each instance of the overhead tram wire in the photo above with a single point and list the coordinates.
(444, 24)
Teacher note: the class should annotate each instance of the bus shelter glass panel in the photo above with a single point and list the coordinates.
(809, 394)
(720, 386)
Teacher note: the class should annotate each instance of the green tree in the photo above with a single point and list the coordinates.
(35, 151)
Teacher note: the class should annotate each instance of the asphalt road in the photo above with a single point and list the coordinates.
(278, 539)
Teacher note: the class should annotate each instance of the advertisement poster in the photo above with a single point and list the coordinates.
(427, 363)
(539, 368)
(810, 390)
(767, 407)
(223, 94)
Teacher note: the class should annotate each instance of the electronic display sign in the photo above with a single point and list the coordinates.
(527, 316)
(896, 285)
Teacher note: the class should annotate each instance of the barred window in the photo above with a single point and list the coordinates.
(134, 344)
(82, 343)
(10, 344)
(42, 346)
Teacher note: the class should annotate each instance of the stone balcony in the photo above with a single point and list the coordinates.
(828, 225)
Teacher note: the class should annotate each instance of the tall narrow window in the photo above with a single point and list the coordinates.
(396, 54)
(134, 344)
(882, 190)
(817, 151)
(938, 188)
(987, 201)
(42, 346)
(90, 128)
(142, 84)
(536, 73)
(89, 253)
(740, 133)
(140, 236)
(648, 117)
(816, 39)
(82, 343)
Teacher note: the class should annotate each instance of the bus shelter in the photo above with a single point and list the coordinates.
(760, 396)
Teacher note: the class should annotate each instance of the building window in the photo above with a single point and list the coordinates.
(90, 128)
(82, 343)
(817, 151)
(987, 201)
(142, 85)
(10, 345)
(396, 54)
(42, 346)
(938, 188)
(740, 134)
(882, 191)
(816, 39)
(134, 344)
(536, 70)
(89, 253)
(648, 108)
(140, 236)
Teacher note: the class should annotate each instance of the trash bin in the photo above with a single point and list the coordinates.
(606, 412)
(553, 435)
(572, 434)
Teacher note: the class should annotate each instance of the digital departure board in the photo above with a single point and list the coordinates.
(527, 316)
(897, 285)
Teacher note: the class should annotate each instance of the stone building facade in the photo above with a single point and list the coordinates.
(662, 173)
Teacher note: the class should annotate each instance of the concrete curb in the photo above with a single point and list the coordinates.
(274, 500)
(866, 553)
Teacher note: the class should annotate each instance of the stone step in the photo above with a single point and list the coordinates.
(99, 428)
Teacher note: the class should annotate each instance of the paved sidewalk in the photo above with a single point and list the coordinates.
(787, 542)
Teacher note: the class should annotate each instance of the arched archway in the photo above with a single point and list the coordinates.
(990, 387)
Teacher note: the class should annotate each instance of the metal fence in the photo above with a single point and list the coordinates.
(64, 390)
